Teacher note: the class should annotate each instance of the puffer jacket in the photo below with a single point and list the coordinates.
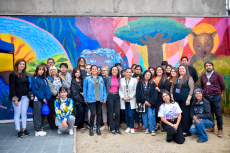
(76, 91)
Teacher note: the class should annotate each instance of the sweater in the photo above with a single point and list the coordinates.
(64, 110)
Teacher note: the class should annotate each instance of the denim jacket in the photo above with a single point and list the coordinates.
(89, 90)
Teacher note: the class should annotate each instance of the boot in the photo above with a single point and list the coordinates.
(98, 130)
(220, 133)
(211, 129)
(91, 131)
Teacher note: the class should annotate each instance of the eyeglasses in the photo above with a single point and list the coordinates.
(103, 70)
(138, 69)
(159, 70)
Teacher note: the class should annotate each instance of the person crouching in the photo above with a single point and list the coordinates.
(64, 108)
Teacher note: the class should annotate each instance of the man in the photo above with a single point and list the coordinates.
(192, 70)
(164, 64)
(213, 85)
(66, 76)
(138, 72)
(118, 65)
(50, 62)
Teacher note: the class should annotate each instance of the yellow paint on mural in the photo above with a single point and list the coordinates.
(164, 54)
(22, 50)
(144, 54)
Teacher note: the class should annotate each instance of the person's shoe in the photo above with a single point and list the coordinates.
(20, 134)
(25, 132)
(143, 128)
(157, 128)
(82, 128)
(127, 130)
(118, 131)
(104, 128)
(40, 133)
(199, 141)
(132, 131)
(59, 132)
(98, 130)
(91, 131)
(75, 125)
(220, 133)
(153, 133)
(70, 131)
(136, 127)
(94, 128)
(113, 132)
(54, 128)
(211, 129)
(88, 127)
(147, 131)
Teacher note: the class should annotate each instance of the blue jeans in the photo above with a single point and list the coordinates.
(150, 115)
(129, 115)
(199, 129)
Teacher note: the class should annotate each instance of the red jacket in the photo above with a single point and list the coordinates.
(217, 84)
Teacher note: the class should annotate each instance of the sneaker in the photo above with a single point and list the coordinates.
(25, 132)
(132, 131)
(127, 130)
(104, 128)
(82, 128)
(20, 134)
(40, 133)
(143, 128)
(75, 125)
(153, 133)
(59, 132)
(136, 127)
(147, 131)
(94, 128)
(70, 131)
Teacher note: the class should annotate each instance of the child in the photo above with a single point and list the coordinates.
(64, 108)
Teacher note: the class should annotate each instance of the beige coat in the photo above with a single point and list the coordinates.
(132, 92)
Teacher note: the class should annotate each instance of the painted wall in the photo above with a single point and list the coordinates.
(107, 40)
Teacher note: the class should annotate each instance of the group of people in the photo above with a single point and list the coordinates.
(163, 94)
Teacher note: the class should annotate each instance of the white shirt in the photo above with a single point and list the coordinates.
(169, 111)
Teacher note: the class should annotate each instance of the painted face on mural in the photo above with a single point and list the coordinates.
(104, 72)
(77, 74)
(21, 65)
(147, 76)
(182, 70)
(40, 71)
(159, 71)
(128, 73)
(50, 63)
(114, 71)
(208, 67)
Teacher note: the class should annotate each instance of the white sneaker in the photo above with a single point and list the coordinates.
(147, 131)
(127, 130)
(153, 133)
(132, 131)
(104, 128)
(40, 133)
(59, 132)
(70, 131)
(82, 128)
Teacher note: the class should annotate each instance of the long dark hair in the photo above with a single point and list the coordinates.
(154, 70)
(164, 76)
(183, 80)
(143, 77)
(110, 72)
(16, 67)
(78, 65)
(161, 101)
(36, 71)
(73, 73)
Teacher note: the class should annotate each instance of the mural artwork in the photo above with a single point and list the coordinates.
(104, 41)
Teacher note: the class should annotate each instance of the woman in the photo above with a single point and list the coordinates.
(99, 71)
(133, 68)
(168, 70)
(77, 94)
(146, 93)
(202, 116)
(162, 84)
(104, 72)
(127, 93)
(153, 71)
(170, 114)
(55, 83)
(94, 93)
(42, 93)
(81, 65)
(19, 89)
(113, 103)
(182, 91)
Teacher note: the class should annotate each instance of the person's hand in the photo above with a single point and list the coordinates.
(197, 121)
(124, 99)
(158, 89)
(104, 101)
(64, 124)
(172, 98)
(85, 102)
(44, 100)
(175, 126)
(129, 98)
(16, 103)
(194, 118)
(187, 103)
(147, 103)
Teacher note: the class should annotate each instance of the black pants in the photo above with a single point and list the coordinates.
(113, 103)
(158, 119)
(215, 103)
(172, 134)
(186, 120)
(95, 108)
(39, 119)
(80, 116)
(50, 117)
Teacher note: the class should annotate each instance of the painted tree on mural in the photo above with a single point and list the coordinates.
(153, 32)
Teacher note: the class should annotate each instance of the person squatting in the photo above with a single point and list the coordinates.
(99, 96)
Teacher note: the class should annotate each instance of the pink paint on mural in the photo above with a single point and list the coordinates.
(174, 59)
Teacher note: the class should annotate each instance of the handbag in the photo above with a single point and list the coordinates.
(45, 109)
(141, 108)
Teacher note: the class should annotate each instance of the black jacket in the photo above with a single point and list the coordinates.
(166, 86)
(193, 73)
(16, 86)
(152, 96)
(76, 89)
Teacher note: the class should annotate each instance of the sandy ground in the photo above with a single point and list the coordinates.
(140, 142)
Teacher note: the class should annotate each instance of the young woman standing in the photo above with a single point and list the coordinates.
(81, 65)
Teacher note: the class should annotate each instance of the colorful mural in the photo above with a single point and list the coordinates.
(146, 41)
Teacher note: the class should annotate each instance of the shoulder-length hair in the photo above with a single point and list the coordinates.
(154, 75)
(53, 68)
(38, 68)
(183, 80)
(171, 77)
(78, 65)
(161, 101)
(16, 67)
(110, 72)
(73, 73)
(164, 76)
(143, 77)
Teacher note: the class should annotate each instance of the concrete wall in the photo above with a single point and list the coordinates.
(114, 7)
